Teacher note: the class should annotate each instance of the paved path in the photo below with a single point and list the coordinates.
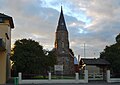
(90, 83)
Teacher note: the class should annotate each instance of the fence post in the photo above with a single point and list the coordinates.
(108, 76)
(77, 76)
(49, 76)
(86, 76)
(19, 78)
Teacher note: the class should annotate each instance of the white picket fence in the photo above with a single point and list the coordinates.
(111, 80)
(95, 76)
(76, 80)
(49, 80)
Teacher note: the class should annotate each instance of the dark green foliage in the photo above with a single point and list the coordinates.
(52, 59)
(29, 57)
(112, 54)
(118, 38)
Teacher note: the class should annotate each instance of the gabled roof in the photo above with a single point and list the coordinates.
(95, 61)
(61, 22)
(3, 16)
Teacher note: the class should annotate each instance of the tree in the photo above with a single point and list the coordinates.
(28, 57)
(112, 54)
(52, 60)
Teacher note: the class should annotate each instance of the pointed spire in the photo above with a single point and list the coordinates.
(61, 22)
(61, 10)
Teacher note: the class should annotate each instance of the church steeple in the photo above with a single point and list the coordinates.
(61, 22)
(62, 46)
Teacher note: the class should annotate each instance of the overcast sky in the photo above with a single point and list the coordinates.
(93, 22)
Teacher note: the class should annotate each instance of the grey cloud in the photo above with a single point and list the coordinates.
(33, 20)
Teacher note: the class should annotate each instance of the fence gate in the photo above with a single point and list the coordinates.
(95, 76)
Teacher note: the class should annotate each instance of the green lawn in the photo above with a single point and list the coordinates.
(54, 77)
(57, 77)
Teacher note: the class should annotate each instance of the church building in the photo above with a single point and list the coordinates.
(62, 50)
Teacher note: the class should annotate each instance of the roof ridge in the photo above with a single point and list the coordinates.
(4, 15)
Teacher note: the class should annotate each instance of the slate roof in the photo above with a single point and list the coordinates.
(3, 16)
(95, 61)
(61, 22)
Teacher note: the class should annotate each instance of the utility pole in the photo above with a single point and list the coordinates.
(84, 55)
(84, 51)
